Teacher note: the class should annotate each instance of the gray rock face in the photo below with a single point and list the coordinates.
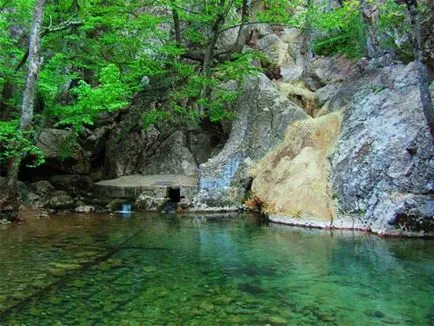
(152, 151)
(62, 152)
(262, 119)
(125, 149)
(331, 69)
(383, 168)
(274, 49)
(171, 157)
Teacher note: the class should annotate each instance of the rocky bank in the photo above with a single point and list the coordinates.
(317, 141)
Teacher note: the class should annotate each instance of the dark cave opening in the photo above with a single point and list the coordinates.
(174, 194)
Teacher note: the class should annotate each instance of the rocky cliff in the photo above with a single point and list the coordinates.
(317, 141)
(376, 174)
(359, 156)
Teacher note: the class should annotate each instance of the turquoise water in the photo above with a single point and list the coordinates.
(167, 270)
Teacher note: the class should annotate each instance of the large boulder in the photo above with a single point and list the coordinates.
(74, 184)
(275, 50)
(62, 152)
(171, 157)
(377, 174)
(127, 148)
(383, 168)
(40, 193)
(263, 115)
(60, 200)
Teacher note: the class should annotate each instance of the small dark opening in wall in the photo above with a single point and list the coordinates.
(174, 194)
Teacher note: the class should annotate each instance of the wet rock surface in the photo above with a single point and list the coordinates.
(60, 200)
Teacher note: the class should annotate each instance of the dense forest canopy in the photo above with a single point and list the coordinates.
(96, 55)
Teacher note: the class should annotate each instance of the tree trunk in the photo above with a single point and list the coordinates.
(28, 96)
(370, 14)
(176, 24)
(425, 95)
(6, 95)
(209, 51)
(306, 50)
(243, 32)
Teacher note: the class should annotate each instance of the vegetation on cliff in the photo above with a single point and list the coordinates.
(96, 55)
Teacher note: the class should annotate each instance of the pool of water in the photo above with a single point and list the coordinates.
(155, 269)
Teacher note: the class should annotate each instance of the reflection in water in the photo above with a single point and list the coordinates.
(151, 269)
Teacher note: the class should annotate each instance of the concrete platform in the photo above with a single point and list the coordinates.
(131, 186)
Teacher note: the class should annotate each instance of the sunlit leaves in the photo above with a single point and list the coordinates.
(14, 143)
(109, 96)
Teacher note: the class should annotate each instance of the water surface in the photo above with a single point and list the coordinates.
(156, 269)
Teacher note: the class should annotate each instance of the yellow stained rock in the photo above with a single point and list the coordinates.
(293, 179)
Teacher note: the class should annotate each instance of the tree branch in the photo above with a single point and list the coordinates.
(61, 27)
(251, 23)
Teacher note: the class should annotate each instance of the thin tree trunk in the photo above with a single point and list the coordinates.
(209, 51)
(425, 95)
(6, 95)
(370, 15)
(243, 32)
(176, 24)
(306, 50)
(28, 96)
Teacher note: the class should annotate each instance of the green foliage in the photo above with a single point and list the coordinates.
(97, 64)
(108, 96)
(291, 13)
(67, 145)
(14, 143)
(394, 25)
(342, 30)
(13, 14)
(153, 117)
